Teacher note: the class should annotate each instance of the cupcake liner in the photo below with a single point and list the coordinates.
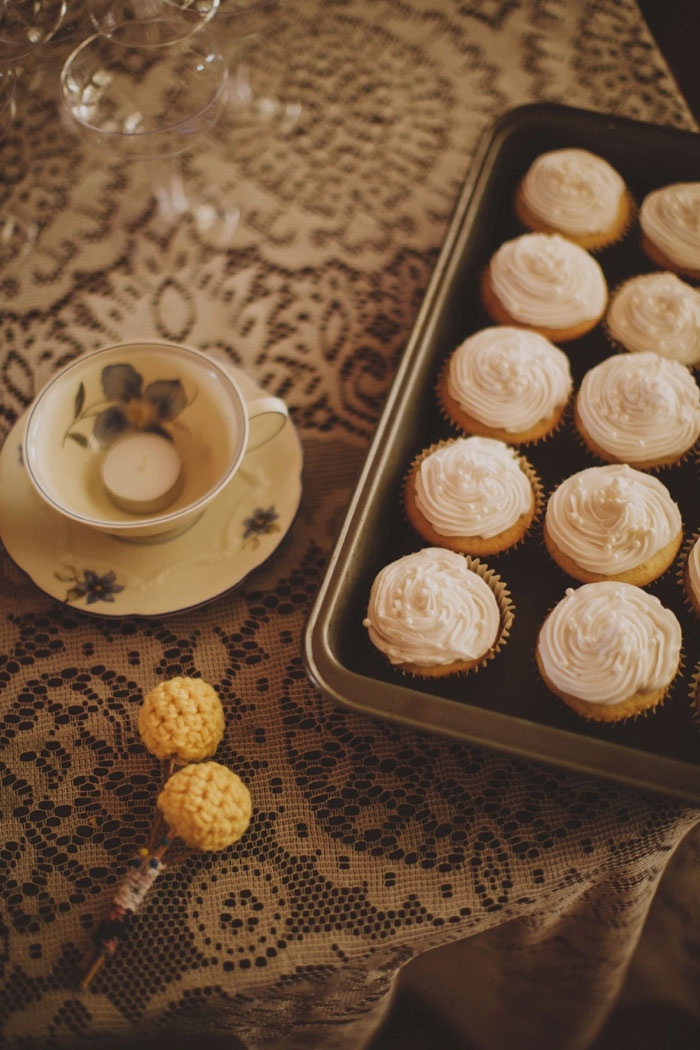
(530, 473)
(616, 345)
(652, 468)
(694, 697)
(499, 315)
(662, 261)
(490, 302)
(591, 575)
(486, 430)
(538, 491)
(506, 608)
(607, 240)
(627, 226)
(555, 703)
(575, 718)
(505, 602)
(627, 719)
(580, 439)
(613, 722)
(682, 572)
(580, 579)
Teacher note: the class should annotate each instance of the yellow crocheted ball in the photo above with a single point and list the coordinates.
(206, 805)
(182, 719)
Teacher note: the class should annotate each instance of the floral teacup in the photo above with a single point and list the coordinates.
(138, 439)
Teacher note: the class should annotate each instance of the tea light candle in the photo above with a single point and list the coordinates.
(142, 473)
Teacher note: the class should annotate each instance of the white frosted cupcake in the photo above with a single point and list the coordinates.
(432, 615)
(576, 193)
(641, 409)
(657, 312)
(508, 383)
(547, 283)
(474, 495)
(609, 650)
(670, 222)
(613, 523)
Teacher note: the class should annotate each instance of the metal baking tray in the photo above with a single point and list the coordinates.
(505, 706)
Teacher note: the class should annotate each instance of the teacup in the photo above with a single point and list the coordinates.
(137, 439)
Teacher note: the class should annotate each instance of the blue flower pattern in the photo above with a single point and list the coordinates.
(127, 405)
(91, 586)
(260, 523)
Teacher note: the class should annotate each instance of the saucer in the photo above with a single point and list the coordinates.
(100, 574)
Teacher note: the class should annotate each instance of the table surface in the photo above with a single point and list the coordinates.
(369, 842)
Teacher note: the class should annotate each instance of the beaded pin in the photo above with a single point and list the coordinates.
(204, 804)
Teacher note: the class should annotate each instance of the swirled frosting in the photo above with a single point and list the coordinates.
(509, 377)
(670, 218)
(429, 609)
(611, 519)
(605, 642)
(544, 280)
(694, 570)
(640, 407)
(573, 190)
(472, 487)
(658, 312)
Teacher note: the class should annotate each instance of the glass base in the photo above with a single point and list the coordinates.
(214, 219)
(256, 98)
(18, 236)
(248, 105)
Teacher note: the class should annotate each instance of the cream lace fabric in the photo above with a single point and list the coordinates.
(369, 843)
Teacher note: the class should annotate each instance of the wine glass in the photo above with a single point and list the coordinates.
(24, 26)
(7, 100)
(255, 47)
(150, 23)
(153, 104)
(43, 70)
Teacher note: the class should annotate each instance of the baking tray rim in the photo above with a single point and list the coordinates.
(395, 703)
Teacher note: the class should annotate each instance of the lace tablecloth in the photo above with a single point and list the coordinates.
(369, 843)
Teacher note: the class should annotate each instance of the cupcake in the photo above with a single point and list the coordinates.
(613, 523)
(609, 650)
(640, 409)
(658, 312)
(577, 194)
(432, 615)
(507, 383)
(474, 495)
(670, 222)
(691, 576)
(546, 283)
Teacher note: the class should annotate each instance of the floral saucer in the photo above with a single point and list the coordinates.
(100, 574)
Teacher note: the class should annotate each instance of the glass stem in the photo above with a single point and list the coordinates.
(169, 189)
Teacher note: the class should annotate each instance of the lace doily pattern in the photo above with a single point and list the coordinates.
(368, 843)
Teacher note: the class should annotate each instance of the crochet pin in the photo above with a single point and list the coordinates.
(180, 721)
(206, 806)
